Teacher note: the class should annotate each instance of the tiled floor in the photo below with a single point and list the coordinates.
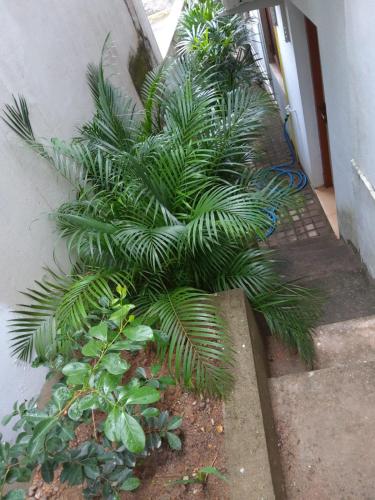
(309, 221)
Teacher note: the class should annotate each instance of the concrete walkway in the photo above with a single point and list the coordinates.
(325, 417)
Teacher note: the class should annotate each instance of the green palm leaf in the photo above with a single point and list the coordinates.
(250, 269)
(291, 311)
(152, 94)
(151, 246)
(227, 210)
(58, 302)
(198, 351)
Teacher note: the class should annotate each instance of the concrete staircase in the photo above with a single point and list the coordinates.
(325, 418)
(330, 265)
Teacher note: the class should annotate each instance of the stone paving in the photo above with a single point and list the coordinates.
(309, 221)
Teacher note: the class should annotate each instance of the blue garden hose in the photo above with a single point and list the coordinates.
(297, 178)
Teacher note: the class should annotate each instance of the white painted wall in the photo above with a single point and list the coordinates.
(290, 92)
(346, 40)
(300, 93)
(258, 42)
(360, 72)
(45, 47)
(330, 20)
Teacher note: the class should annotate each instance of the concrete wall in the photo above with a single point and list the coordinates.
(300, 93)
(360, 73)
(45, 47)
(346, 42)
(258, 43)
(287, 90)
(330, 20)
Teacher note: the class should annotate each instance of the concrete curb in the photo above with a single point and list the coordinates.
(254, 468)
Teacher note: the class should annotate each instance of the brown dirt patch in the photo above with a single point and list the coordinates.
(202, 434)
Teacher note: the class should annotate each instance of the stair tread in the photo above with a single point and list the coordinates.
(324, 421)
(348, 295)
(328, 240)
(345, 342)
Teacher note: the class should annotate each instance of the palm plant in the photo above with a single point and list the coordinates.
(218, 41)
(168, 204)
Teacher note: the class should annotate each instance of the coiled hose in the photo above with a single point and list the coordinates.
(297, 178)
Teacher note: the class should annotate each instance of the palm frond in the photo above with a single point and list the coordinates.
(226, 210)
(186, 112)
(198, 352)
(113, 128)
(46, 340)
(16, 116)
(85, 235)
(152, 95)
(151, 247)
(59, 302)
(291, 311)
(92, 76)
(251, 269)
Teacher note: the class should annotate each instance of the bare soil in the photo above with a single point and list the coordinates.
(202, 434)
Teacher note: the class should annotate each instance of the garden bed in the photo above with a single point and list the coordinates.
(202, 434)
(236, 437)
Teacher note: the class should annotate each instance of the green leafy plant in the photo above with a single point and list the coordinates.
(168, 202)
(218, 42)
(200, 477)
(97, 390)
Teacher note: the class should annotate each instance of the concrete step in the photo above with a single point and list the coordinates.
(281, 359)
(318, 241)
(345, 343)
(325, 427)
(337, 344)
(316, 260)
(348, 295)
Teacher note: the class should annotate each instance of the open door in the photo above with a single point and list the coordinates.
(321, 113)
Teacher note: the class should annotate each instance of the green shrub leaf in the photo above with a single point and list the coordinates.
(89, 402)
(92, 349)
(108, 382)
(114, 364)
(75, 411)
(150, 412)
(54, 444)
(113, 424)
(39, 434)
(121, 313)
(130, 484)
(132, 434)
(61, 395)
(47, 471)
(142, 396)
(72, 473)
(139, 333)
(174, 423)
(174, 441)
(99, 331)
(76, 368)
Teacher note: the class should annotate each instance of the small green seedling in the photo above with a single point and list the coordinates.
(200, 477)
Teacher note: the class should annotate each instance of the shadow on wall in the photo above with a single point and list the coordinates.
(140, 62)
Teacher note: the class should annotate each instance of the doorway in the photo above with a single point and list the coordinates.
(320, 102)
(325, 193)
